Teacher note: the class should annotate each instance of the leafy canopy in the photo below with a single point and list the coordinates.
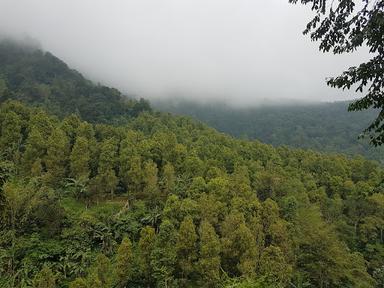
(343, 26)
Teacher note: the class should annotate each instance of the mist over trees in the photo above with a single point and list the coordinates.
(327, 127)
(99, 190)
(344, 27)
(39, 78)
(139, 198)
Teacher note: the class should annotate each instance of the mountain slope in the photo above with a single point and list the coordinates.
(276, 216)
(30, 75)
(165, 201)
(327, 127)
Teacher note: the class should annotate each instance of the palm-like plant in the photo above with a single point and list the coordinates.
(153, 218)
(78, 188)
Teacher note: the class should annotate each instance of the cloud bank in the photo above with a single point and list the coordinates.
(242, 51)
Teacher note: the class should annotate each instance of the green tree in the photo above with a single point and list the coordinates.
(168, 179)
(35, 149)
(57, 155)
(186, 248)
(241, 184)
(274, 267)
(343, 27)
(210, 209)
(197, 188)
(16, 204)
(209, 256)
(102, 271)
(11, 136)
(80, 159)
(134, 177)
(151, 190)
(124, 262)
(78, 283)
(164, 255)
(145, 246)
(323, 257)
(108, 155)
(219, 187)
(44, 279)
(106, 180)
(239, 247)
(128, 150)
(94, 281)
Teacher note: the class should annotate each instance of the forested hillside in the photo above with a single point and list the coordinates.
(36, 77)
(327, 127)
(165, 201)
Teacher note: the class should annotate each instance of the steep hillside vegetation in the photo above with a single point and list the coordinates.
(30, 75)
(327, 127)
(165, 201)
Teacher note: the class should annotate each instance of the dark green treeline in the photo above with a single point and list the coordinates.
(163, 201)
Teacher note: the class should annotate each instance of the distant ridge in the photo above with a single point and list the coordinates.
(323, 126)
(35, 77)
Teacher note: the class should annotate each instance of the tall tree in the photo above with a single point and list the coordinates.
(106, 180)
(239, 250)
(321, 255)
(164, 255)
(274, 267)
(128, 150)
(56, 159)
(102, 271)
(209, 256)
(11, 136)
(124, 262)
(168, 179)
(134, 176)
(151, 189)
(145, 246)
(35, 149)
(80, 159)
(186, 248)
(44, 279)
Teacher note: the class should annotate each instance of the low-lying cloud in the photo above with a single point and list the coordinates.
(244, 51)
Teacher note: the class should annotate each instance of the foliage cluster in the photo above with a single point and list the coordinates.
(327, 127)
(163, 201)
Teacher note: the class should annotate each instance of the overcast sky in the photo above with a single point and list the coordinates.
(243, 50)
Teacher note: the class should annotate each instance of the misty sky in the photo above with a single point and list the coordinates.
(242, 50)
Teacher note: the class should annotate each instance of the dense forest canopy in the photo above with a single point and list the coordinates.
(327, 127)
(165, 201)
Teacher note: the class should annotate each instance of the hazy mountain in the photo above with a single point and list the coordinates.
(325, 127)
(159, 200)
(33, 76)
